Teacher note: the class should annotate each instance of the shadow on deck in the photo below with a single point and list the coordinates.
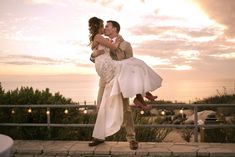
(120, 149)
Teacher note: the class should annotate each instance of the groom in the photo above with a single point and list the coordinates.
(112, 29)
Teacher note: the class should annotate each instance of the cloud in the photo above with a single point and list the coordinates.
(183, 48)
(182, 67)
(31, 60)
(190, 32)
(193, 49)
(221, 11)
(160, 48)
(38, 60)
(47, 2)
(189, 55)
(148, 30)
(109, 3)
(224, 56)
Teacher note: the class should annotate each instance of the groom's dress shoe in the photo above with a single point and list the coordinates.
(133, 145)
(95, 142)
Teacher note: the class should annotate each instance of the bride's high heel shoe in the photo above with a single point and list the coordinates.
(150, 97)
(138, 104)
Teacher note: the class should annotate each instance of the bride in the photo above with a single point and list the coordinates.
(125, 78)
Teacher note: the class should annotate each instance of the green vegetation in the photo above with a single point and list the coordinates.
(28, 95)
(221, 134)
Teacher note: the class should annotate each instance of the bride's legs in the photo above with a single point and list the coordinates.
(140, 98)
(150, 97)
(139, 102)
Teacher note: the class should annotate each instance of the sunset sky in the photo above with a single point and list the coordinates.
(178, 38)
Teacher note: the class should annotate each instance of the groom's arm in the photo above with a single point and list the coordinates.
(120, 54)
(128, 50)
(125, 50)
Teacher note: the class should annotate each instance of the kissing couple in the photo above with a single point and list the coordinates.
(122, 76)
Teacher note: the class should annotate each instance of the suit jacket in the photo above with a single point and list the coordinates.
(125, 46)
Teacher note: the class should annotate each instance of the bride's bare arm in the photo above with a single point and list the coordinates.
(113, 47)
(101, 40)
(95, 51)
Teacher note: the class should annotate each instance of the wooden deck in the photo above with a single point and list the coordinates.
(120, 149)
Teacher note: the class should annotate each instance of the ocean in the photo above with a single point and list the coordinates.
(82, 88)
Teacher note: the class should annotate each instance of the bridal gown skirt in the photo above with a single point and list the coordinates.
(132, 76)
(110, 114)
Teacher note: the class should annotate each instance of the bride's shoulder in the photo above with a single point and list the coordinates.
(98, 37)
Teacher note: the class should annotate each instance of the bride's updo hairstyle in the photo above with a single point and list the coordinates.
(94, 26)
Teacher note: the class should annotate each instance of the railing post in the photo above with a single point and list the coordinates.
(48, 112)
(195, 124)
(48, 117)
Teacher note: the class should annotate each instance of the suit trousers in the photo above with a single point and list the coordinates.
(128, 122)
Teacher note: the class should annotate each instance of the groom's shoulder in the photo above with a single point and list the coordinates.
(125, 46)
(127, 42)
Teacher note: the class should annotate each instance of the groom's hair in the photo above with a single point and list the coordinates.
(115, 24)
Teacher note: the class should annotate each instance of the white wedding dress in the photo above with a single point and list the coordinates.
(125, 78)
